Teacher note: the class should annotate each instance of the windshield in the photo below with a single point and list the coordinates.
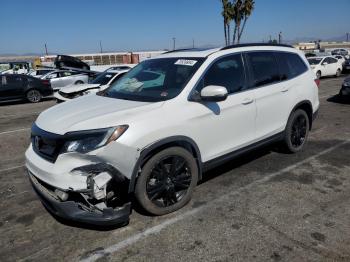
(103, 78)
(314, 61)
(155, 79)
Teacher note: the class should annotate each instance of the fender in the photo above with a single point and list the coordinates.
(169, 140)
(311, 114)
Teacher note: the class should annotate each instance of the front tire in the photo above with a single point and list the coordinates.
(167, 181)
(297, 131)
(79, 82)
(33, 96)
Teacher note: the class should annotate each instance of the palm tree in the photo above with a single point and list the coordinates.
(226, 6)
(241, 11)
(247, 10)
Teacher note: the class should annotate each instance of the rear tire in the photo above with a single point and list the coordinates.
(79, 82)
(318, 75)
(167, 181)
(338, 73)
(33, 96)
(296, 132)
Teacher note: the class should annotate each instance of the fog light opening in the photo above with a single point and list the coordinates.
(63, 196)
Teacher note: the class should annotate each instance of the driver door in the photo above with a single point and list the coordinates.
(223, 127)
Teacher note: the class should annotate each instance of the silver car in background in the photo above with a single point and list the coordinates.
(61, 78)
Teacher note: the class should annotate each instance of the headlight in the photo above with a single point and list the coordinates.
(85, 141)
(346, 84)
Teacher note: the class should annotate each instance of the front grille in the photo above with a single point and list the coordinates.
(45, 144)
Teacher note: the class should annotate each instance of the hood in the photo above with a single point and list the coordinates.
(77, 88)
(91, 112)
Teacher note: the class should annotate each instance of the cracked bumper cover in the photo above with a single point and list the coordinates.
(71, 210)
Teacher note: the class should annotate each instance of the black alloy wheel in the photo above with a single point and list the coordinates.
(167, 181)
(298, 134)
(297, 131)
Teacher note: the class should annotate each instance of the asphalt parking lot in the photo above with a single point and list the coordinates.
(263, 206)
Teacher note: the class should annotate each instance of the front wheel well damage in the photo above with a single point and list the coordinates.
(147, 153)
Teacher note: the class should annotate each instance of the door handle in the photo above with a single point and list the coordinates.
(247, 101)
(284, 90)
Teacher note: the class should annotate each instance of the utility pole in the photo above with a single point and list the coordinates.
(280, 38)
(347, 37)
(101, 47)
(174, 43)
(46, 49)
(270, 39)
(193, 43)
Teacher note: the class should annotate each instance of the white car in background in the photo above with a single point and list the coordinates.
(325, 66)
(40, 72)
(100, 83)
(61, 78)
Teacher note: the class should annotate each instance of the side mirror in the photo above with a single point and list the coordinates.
(324, 63)
(213, 93)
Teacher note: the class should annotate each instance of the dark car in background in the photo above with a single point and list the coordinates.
(346, 65)
(345, 89)
(62, 61)
(23, 87)
(342, 52)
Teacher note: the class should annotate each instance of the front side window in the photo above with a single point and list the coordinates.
(227, 72)
(264, 68)
(332, 60)
(155, 79)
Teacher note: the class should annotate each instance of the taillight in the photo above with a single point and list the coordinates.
(317, 81)
(46, 82)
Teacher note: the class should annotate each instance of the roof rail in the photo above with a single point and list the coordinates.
(179, 50)
(254, 44)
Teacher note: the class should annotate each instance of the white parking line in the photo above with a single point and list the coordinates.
(156, 229)
(14, 131)
(11, 168)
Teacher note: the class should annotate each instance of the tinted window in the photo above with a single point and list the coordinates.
(290, 65)
(332, 60)
(264, 68)
(227, 72)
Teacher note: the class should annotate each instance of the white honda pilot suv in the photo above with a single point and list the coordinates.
(153, 133)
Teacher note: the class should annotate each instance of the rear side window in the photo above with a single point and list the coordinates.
(290, 65)
(264, 68)
(227, 72)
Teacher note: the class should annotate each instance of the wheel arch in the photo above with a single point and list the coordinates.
(305, 105)
(147, 152)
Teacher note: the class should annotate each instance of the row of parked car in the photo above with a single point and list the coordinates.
(63, 84)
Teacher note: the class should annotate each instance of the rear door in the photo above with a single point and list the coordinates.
(12, 87)
(272, 95)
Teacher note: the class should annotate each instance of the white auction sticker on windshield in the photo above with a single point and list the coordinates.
(185, 62)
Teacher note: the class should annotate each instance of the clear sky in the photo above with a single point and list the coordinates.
(77, 26)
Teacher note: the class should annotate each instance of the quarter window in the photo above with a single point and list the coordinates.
(227, 72)
(264, 68)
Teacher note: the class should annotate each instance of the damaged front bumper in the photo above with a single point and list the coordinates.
(78, 211)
